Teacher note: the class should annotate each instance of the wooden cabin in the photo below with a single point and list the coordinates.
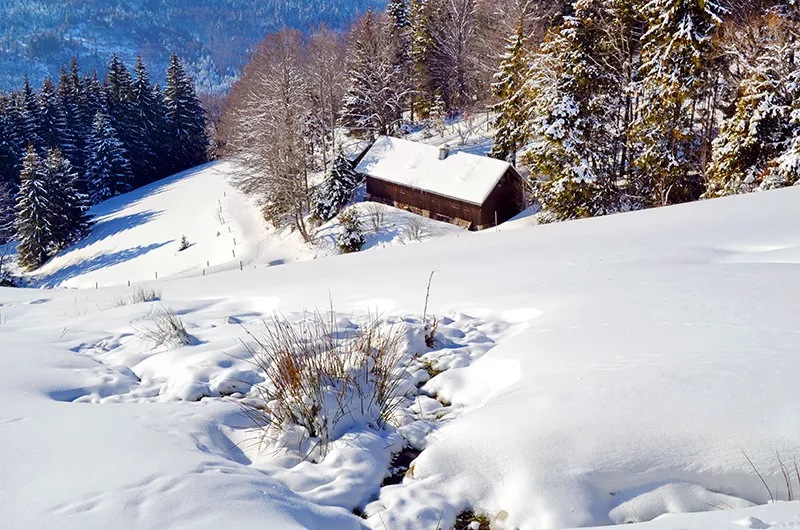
(472, 191)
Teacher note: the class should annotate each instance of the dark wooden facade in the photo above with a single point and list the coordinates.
(504, 202)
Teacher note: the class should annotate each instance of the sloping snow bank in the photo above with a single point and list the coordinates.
(137, 235)
(652, 348)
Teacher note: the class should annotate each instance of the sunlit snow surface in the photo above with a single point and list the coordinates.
(592, 373)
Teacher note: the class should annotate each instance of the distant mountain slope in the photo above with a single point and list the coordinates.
(37, 36)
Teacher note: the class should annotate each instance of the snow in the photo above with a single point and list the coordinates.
(588, 373)
(384, 227)
(463, 176)
(137, 235)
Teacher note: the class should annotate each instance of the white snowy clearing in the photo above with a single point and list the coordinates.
(137, 236)
(588, 373)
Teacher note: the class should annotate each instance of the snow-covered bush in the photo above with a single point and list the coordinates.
(351, 239)
(338, 188)
(325, 376)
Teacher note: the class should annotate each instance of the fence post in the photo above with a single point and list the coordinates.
(241, 266)
(233, 251)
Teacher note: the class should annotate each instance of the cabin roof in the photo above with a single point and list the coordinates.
(461, 176)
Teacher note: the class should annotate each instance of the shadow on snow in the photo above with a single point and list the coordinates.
(98, 262)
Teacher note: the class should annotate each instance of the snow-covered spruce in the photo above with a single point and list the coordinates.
(337, 189)
(351, 238)
(108, 170)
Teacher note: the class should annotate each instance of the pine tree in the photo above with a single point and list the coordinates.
(70, 126)
(52, 126)
(509, 87)
(69, 204)
(6, 229)
(118, 89)
(94, 100)
(422, 17)
(784, 170)
(338, 188)
(374, 99)
(10, 143)
(186, 119)
(437, 115)
(754, 135)
(108, 171)
(678, 38)
(570, 134)
(6, 215)
(34, 213)
(146, 137)
(351, 239)
(119, 109)
(29, 118)
(399, 13)
(160, 139)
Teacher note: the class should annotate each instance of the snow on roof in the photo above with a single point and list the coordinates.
(462, 176)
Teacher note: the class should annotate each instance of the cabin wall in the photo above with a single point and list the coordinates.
(506, 200)
(436, 206)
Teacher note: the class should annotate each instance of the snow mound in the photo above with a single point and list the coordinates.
(384, 227)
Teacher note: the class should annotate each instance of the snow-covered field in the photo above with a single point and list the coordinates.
(137, 236)
(597, 372)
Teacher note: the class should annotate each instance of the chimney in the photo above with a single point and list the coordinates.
(444, 152)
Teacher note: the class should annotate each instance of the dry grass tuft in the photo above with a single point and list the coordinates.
(167, 330)
(324, 380)
(140, 295)
(786, 472)
(143, 295)
(431, 327)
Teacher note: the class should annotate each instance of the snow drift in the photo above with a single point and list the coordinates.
(588, 373)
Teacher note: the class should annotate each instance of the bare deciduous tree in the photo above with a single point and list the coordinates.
(269, 130)
(377, 88)
(327, 78)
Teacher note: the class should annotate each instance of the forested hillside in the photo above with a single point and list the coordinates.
(606, 106)
(214, 36)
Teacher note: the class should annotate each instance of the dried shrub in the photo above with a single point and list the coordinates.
(140, 295)
(376, 216)
(429, 327)
(322, 380)
(167, 329)
(414, 228)
(143, 295)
